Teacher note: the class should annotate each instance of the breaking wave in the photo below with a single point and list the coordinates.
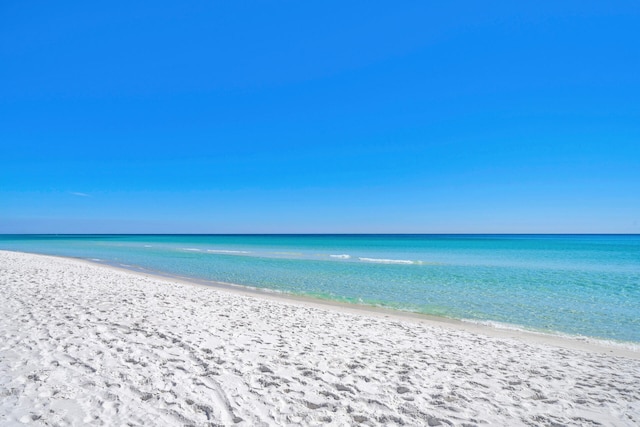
(388, 261)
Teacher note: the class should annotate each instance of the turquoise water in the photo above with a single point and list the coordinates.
(586, 285)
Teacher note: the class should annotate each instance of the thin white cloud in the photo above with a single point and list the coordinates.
(77, 193)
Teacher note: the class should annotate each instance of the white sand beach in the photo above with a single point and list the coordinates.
(85, 344)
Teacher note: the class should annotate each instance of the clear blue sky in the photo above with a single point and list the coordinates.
(245, 117)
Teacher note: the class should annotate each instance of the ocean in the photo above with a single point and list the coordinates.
(578, 285)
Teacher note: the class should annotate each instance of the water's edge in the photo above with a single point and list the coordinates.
(494, 329)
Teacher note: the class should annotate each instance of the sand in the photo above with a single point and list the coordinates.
(82, 344)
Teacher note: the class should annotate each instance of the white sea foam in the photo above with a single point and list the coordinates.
(500, 325)
(192, 249)
(387, 261)
(599, 341)
(341, 256)
(148, 246)
(224, 251)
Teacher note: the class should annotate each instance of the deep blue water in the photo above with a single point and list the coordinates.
(585, 285)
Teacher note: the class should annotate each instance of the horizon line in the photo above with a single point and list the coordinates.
(320, 234)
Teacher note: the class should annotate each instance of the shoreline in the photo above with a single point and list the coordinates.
(86, 343)
(496, 330)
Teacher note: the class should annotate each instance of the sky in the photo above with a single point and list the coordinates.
(319, 117)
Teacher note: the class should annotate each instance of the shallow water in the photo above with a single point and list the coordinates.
(575, 284)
